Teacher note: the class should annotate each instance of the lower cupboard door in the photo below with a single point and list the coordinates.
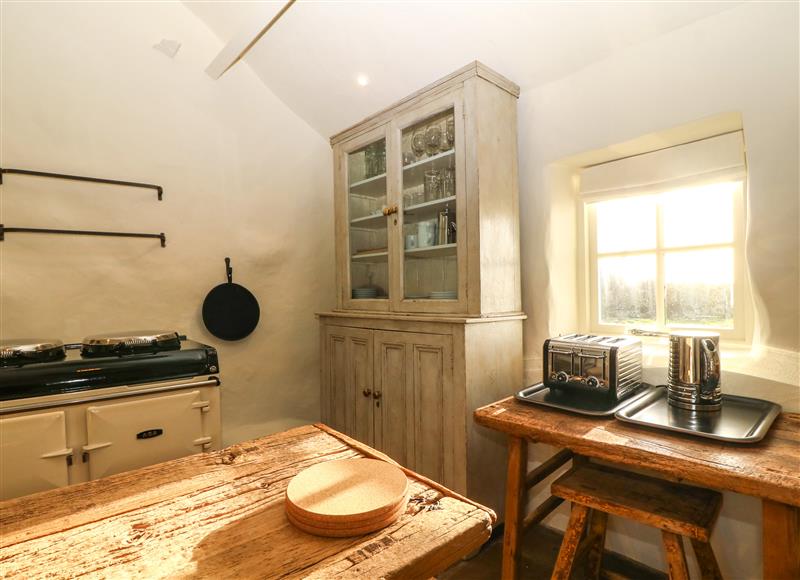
(125, 436)
(33, 454)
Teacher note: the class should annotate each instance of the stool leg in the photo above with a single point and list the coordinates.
(572, 536)
(515, 506)
(597, 537)
(709, 569)
(676, 558)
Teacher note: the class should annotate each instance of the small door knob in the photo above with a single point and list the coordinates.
(366, 392)
(377, 395)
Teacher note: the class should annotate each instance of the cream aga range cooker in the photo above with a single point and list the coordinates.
(78, 412)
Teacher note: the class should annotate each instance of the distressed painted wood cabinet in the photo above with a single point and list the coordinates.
(428, 324)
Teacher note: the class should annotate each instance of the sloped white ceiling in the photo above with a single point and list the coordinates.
(313, 55)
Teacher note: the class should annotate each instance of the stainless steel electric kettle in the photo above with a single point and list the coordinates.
(694, 381)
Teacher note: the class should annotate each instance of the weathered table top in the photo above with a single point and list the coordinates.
(769, 469)
(221, 514)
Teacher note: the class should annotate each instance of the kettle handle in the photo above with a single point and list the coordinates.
(711, 373)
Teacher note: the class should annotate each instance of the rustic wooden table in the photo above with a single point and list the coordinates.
(769, 470)
(221, 515)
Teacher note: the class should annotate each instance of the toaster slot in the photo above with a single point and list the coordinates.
(593, 365)
(561, 361)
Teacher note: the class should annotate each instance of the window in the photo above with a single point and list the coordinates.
(667, 256)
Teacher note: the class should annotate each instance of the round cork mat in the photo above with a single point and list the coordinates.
(347, 490)
(339, 523)
(339, 530)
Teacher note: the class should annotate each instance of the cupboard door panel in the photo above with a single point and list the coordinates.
(431, 184)
(359, 359)
(394, 416)
(431, 379)
(336, 371)
(364, 233)
(414, 374)
(348, 374)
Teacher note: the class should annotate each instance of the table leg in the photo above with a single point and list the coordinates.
(515, 506)
(781, 540)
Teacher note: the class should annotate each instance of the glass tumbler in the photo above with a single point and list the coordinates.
(450, 132)
(433, 184)
(449, 182)
(371, 163)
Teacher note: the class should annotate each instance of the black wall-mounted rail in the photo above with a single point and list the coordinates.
(158, 188)
(4, 230)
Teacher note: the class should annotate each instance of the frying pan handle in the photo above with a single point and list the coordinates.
(228, 270)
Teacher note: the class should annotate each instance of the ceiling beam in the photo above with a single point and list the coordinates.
(246, 38)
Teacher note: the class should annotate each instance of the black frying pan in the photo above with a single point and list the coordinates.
(230, 311)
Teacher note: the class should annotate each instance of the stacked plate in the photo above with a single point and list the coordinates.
(346, 497)
(415, 296)
(366, 292)
(445, 295)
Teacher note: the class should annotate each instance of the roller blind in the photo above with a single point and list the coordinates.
(712, 159)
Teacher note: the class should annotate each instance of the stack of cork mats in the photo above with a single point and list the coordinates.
(346, 497)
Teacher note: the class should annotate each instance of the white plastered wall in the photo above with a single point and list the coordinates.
(743, 60)
(84, 92)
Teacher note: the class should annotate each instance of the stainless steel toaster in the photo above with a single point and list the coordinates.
(611, 365)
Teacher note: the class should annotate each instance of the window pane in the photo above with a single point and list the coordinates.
(699, 288)
(699, 215)
(626, 224)
(627, 289)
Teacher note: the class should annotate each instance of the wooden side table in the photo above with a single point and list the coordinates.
(769, 470)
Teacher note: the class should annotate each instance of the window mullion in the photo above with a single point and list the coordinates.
(660, 308)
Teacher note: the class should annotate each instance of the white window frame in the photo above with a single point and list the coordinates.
(588, 259)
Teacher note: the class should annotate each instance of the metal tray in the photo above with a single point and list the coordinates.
(741, 419)
(576, 402)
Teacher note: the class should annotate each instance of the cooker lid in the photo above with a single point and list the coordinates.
(130, 341)
(30, 350)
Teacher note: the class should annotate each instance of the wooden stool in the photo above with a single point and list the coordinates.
(677, 510)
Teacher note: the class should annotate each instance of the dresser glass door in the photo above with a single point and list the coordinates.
(369, 243)
(430, 228)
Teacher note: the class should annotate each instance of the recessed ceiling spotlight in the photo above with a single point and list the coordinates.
(362, 80)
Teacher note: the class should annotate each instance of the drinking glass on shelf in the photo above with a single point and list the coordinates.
(418, 195)
(369, 163)
(408, 199)
(380, 162)
(418, 143)
(408, 158)
(433, 139)
(433, 184)
(450, 132)
(449, 182)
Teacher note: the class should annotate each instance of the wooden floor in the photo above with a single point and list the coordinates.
(539, 550)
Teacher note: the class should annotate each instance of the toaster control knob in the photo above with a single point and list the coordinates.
(593, 382)
(562, 377)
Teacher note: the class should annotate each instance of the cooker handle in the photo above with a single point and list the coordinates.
(59, 453)
(91, 447)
